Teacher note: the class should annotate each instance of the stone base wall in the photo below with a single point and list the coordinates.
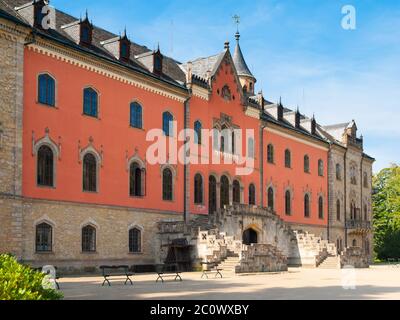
(67, 219)
(354, 257)
(11, 226)
(318, 231)
(262, 258)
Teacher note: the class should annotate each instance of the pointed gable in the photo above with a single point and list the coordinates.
(207, 69)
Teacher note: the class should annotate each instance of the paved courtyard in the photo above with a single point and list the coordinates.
(378, 282)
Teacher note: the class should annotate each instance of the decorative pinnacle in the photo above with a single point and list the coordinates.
(237, 36)
(226, 45)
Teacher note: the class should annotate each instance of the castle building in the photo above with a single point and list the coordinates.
(77, 186)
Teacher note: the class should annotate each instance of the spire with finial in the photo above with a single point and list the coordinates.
(238, 59)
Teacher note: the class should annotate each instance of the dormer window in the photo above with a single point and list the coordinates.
(86, 31)
(38, 13)
(124, 50)
(157, 64)
(85, 34)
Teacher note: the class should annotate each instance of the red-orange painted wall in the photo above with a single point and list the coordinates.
(281, 177)
(111, 133)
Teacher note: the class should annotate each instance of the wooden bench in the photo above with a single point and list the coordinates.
(210, 269)
(116, 271)
(164, 271)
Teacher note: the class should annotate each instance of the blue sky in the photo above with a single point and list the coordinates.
(297, 49)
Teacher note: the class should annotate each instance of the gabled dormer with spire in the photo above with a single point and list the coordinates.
(247, 80)
(80, 31)
(39, 14)
(152, 60)
(119, 47)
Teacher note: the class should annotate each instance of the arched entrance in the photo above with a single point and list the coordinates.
(249, 237)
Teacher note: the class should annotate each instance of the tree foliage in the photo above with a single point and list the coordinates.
(386, 205)
(19, 282)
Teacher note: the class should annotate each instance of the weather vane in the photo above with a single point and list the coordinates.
(236, 19)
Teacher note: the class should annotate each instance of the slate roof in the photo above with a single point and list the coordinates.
(238, 59)
(172, 73)
(201, 66)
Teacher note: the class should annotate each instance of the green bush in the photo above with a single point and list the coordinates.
(19, 282)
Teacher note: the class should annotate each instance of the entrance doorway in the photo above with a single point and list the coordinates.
(249, 237)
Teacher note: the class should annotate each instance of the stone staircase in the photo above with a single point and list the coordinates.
(230, 263)
(310, 251)
(262, 258)
(331, 262)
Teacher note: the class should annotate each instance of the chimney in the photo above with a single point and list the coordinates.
(189, 74)
(39, 14)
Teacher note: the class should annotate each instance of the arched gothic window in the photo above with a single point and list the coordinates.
(88, 239)
(252, 195)
(198, 189)
(306, 164)
(307, 206)
(136, 120)
(212, 194)
(224, 194)
(338, 210)
(136, 180)
(45, 166)
(167, 185)
(197, 131)
(288, 203)
(288, 159)
(320, 168)
(44, 238)
(320, 208)
(46, 87)
(168, 124)
(270, 154)
(270, 198)
(236, 191)
(135, 240)
(89, 173)
(90, 102)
